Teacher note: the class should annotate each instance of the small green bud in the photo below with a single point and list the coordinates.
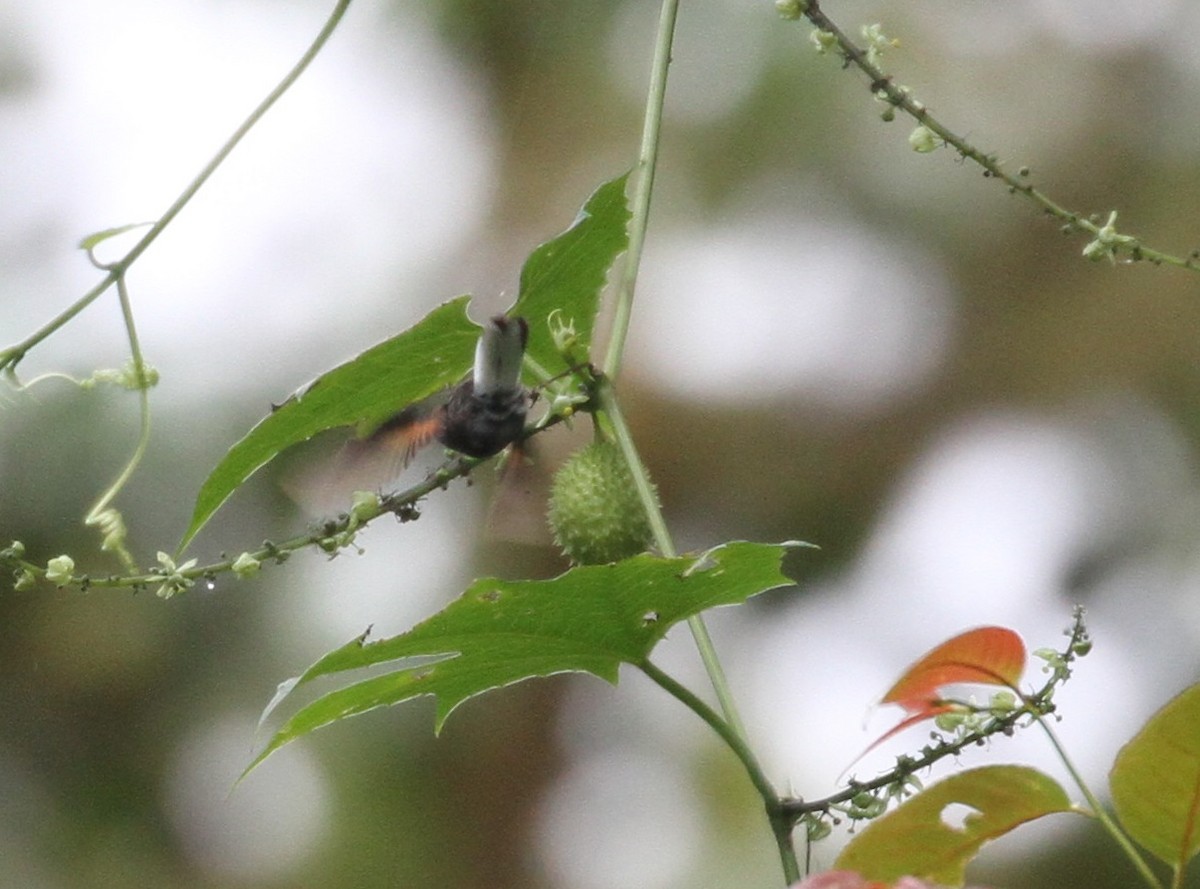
(817, 829)
(364, 506)
(950, 720)
(25, 579)
(595, 513)
(877, 42)
(923, 140)
(14, 550)
(562, 332)
(790, 10)
(865, 804)
(175, 578)
(823, 41)
(245, 566)
(1003, 702)
(59, 570)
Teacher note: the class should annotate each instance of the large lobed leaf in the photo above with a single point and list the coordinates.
(1155, 781)
(566, 273)
(918, 839)
(362, 392)
(590, 619)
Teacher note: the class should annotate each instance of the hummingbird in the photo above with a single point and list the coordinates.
(482, 415)
(478, 417)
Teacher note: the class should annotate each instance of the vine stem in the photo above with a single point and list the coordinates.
(611, 411)
(329, 537)
(1098, 809)
(884, 87)
(646, 166)
(731, 728)
(12, 355)
(94, 517)
(780, 822)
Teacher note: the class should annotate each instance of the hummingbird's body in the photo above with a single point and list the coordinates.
(483, 414)
(481, 425)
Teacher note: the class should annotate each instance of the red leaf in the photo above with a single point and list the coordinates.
(932, 710)
(987, 655)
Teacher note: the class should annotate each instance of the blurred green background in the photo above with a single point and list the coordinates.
(836, 339)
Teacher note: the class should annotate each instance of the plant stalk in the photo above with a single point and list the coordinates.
(884, 87)
(644, 184)
(1099, 811)
(780, 822)
(610, 411)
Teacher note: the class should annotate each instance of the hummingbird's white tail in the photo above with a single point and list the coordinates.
(498, 355)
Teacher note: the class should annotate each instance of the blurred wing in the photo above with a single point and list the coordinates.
(518, 509)
(373, 463)
(400, 437)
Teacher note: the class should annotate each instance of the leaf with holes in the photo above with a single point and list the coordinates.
(935, 834)
(591, 619)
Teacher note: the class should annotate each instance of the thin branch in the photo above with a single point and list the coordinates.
(11, 356)
(1034, 707)
(330, 536)
(1106, 242)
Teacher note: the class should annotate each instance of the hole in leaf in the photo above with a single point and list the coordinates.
(958, 816)
(492, 596)
(705, 563)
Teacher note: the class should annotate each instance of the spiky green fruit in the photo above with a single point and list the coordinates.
(595, 512)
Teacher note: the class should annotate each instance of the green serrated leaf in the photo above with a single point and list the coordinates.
(590, 619)
(1155, 781)
(363, 392)
(569, 272)
(934, 835)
